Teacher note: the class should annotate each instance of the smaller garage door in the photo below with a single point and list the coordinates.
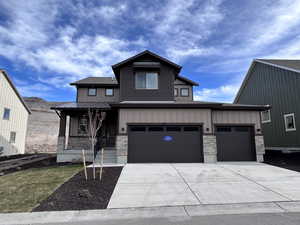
(235, 143)
(164, 143)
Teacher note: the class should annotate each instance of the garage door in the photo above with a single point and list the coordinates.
(164, 143)
(235, 143)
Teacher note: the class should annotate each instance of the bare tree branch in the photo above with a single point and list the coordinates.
(96, 118)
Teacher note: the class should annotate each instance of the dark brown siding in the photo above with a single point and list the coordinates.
(280, 89)
(165, 91)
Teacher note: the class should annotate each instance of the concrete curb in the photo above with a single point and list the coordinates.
(182, 212)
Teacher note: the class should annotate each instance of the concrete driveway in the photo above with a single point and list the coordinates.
(148, 185)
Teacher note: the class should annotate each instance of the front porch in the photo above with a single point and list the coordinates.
(74, 133)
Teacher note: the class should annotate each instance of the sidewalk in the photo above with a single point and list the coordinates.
(153, 212)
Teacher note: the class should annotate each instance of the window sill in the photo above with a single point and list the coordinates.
(294, 129)
(267, 121)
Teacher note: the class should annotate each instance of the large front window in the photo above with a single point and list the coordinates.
(146, 80)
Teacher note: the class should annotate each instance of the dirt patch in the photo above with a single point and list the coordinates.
(289, 161)
(44, 162)
(79, 194)
(9, 157)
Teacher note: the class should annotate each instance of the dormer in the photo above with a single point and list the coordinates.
(146, 77)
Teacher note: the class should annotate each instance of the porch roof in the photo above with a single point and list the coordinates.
(82, 105)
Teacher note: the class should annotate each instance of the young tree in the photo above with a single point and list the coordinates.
(96, 118)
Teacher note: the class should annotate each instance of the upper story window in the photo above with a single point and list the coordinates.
(12, 138)
(109, 91)
(289, 121)
(6, 114)
(184, 92)
(146, 80)
(266, 116)
(92, 92)
(175, 92)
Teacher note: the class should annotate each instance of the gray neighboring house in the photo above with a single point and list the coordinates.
(276, 83)
(43, 124)
(151, 117)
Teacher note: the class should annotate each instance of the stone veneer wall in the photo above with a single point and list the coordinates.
(210, 148)
(79, 143)
(122, 148)
(260, 148)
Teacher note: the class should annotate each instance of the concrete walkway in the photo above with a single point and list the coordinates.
(152, 185)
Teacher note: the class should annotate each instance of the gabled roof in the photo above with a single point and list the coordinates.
(117, 66)
(289, 64)
(15, 90)
(286, 64)
(179, 77)
(96, 81)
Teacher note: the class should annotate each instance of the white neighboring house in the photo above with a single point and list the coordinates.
(13, 118)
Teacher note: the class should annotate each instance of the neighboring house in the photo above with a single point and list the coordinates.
(151, 117)
(276, 83)
(13, 118)
(43, 124)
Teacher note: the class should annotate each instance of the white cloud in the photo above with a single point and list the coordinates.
(185, 25)
(32, 36)
(224, 93)
(28, 89)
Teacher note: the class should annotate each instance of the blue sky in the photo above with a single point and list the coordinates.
(46, 44)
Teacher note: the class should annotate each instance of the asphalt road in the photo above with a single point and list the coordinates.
(241, 219)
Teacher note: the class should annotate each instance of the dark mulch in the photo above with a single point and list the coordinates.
(289, 161)
(79, 194)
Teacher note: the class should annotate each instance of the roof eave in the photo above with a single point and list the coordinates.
(117, 65)
(15, 90)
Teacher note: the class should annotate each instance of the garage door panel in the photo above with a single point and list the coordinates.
(235, 143)
(170, 144)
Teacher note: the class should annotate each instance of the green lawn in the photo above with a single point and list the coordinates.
(22, 191)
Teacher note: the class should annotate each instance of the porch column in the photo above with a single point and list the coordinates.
(61, 133)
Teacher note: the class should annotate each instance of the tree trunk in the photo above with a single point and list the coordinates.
(94, 169)
(84, 164)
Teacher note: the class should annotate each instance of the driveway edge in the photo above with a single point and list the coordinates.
(183, 212)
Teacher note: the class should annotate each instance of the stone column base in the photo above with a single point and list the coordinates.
(122, 148)
(61, 140)
(260, 148)
(210, 148)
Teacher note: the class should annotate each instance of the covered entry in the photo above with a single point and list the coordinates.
(165, 143)
(235, 143)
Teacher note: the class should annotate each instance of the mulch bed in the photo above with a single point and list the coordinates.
(79, 194)
(289, 161)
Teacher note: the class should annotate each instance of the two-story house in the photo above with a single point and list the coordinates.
(151, 117)
(13, 118)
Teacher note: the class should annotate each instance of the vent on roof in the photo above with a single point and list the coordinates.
(146, 64)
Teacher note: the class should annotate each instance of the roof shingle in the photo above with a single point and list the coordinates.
(96, 80)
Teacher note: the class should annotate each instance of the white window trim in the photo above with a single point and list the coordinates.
(266, 121)
(285, 124)
(91, 89)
